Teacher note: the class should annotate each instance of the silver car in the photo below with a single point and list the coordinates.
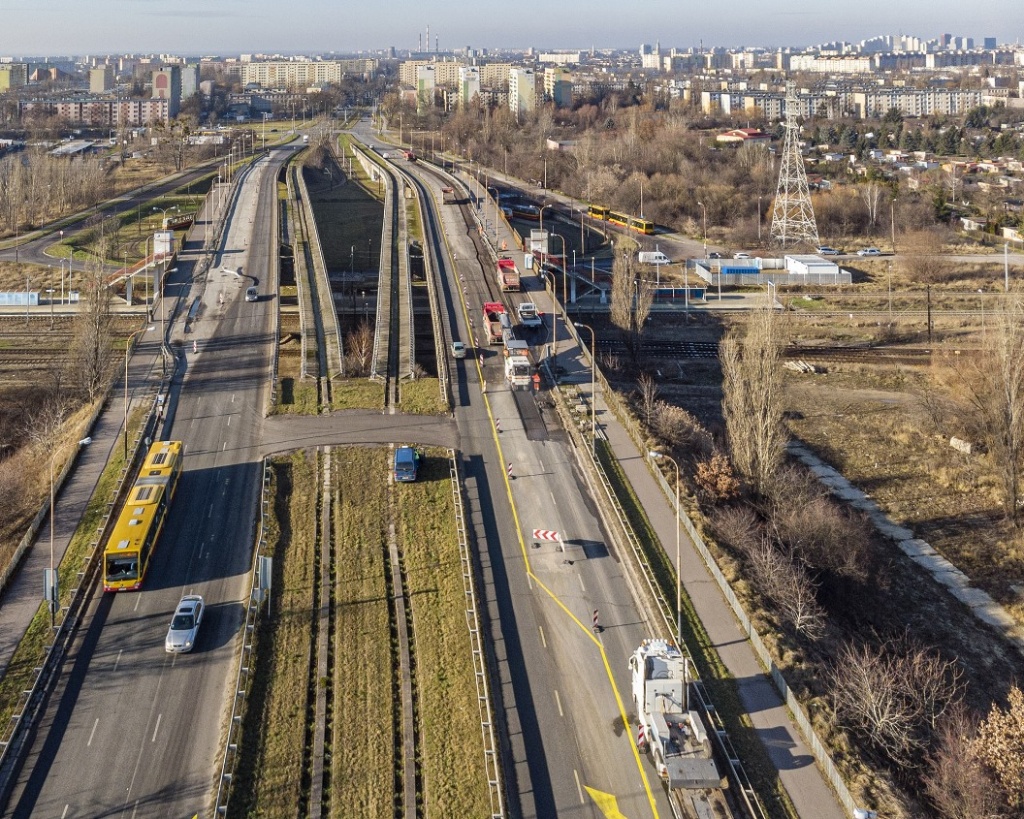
(181, 636)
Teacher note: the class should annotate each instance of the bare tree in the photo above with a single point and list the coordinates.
(91, 355)
(752, 404)
(893, 696)
(648, 396)
(788, 586)
(994, 384)
(359, 349)
(956, 780)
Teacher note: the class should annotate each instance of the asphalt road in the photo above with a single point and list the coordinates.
(133, 731)
(561, 686)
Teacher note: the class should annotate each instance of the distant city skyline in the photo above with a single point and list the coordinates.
(69, 27)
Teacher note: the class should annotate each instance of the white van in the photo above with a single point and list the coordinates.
(653, 257)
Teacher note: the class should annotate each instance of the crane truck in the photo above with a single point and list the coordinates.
(674, 735)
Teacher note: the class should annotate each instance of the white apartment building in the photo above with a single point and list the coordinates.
(522, 91)
(469, 84)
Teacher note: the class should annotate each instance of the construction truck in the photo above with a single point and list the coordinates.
(508, 276)
(674, 735)
(518, 371)
(528, 315)
(493, 311)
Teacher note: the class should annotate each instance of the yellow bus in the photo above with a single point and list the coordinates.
(640, 225)
(130, 547)
(597, 211)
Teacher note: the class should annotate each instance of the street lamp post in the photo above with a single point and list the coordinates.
(53, 591)
(679, 571)
(593, 388)
(704, 211)
(759, 221)
(554, 324)
(49, 292)
(127, 355)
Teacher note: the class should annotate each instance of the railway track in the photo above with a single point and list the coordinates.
(838, 354)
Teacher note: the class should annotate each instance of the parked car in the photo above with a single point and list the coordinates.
(458, 349)
(741, 255)
(181, 636)
(714, 255)
(407, 463)
(869, 251)
(825, 250)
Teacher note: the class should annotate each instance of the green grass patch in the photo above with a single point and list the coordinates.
(356, 393)
(296, 397)
(363, 744)
(454, 777)
(422, 396)
(269, 777)
(712, 671)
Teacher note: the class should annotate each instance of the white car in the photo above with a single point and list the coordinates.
(181, 636)
(869, 251)
(458, 349)
(741, 255)
(825, 250)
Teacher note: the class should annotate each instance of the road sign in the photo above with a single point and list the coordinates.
(545, 534)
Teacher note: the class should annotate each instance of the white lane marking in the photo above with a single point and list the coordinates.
(136, 606)
(224, 447)
(209, 512)
(579, 789)
(65, 813)
(543, 642)
(232, 398)
(558, 701)
(157, 728)
(582, 587)
(229, 420)
(552, 494)
(92, 733)
(118, 659)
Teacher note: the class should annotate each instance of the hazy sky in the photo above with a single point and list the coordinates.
(42, 27)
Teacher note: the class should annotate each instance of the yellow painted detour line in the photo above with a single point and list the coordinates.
(606, 803)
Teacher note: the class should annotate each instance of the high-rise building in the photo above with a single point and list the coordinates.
(425, 85)
(189, 81)
(522, 91)
(13, 75)
(167, 86)
(101, 79)
(558, 86)
(469, 84)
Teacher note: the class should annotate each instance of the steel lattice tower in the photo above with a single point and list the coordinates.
(793, 214)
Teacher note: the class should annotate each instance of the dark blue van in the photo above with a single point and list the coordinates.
(407, 462)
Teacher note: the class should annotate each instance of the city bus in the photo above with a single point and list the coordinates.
(597, 211)
(133, 538)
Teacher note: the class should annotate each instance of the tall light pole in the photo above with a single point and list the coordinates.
(593, 388)
(679, 572)
(758, 221)
(554, 324)
(127, 355)
(163, 224)
(704, 211)
(53, 591)
(892, 217)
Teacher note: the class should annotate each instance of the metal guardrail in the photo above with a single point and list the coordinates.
(492, 761)
(245, 655)
(335, 353)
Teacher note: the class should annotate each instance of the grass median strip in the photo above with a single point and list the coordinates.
(454, 779)
(363, 761)
(269, 780)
